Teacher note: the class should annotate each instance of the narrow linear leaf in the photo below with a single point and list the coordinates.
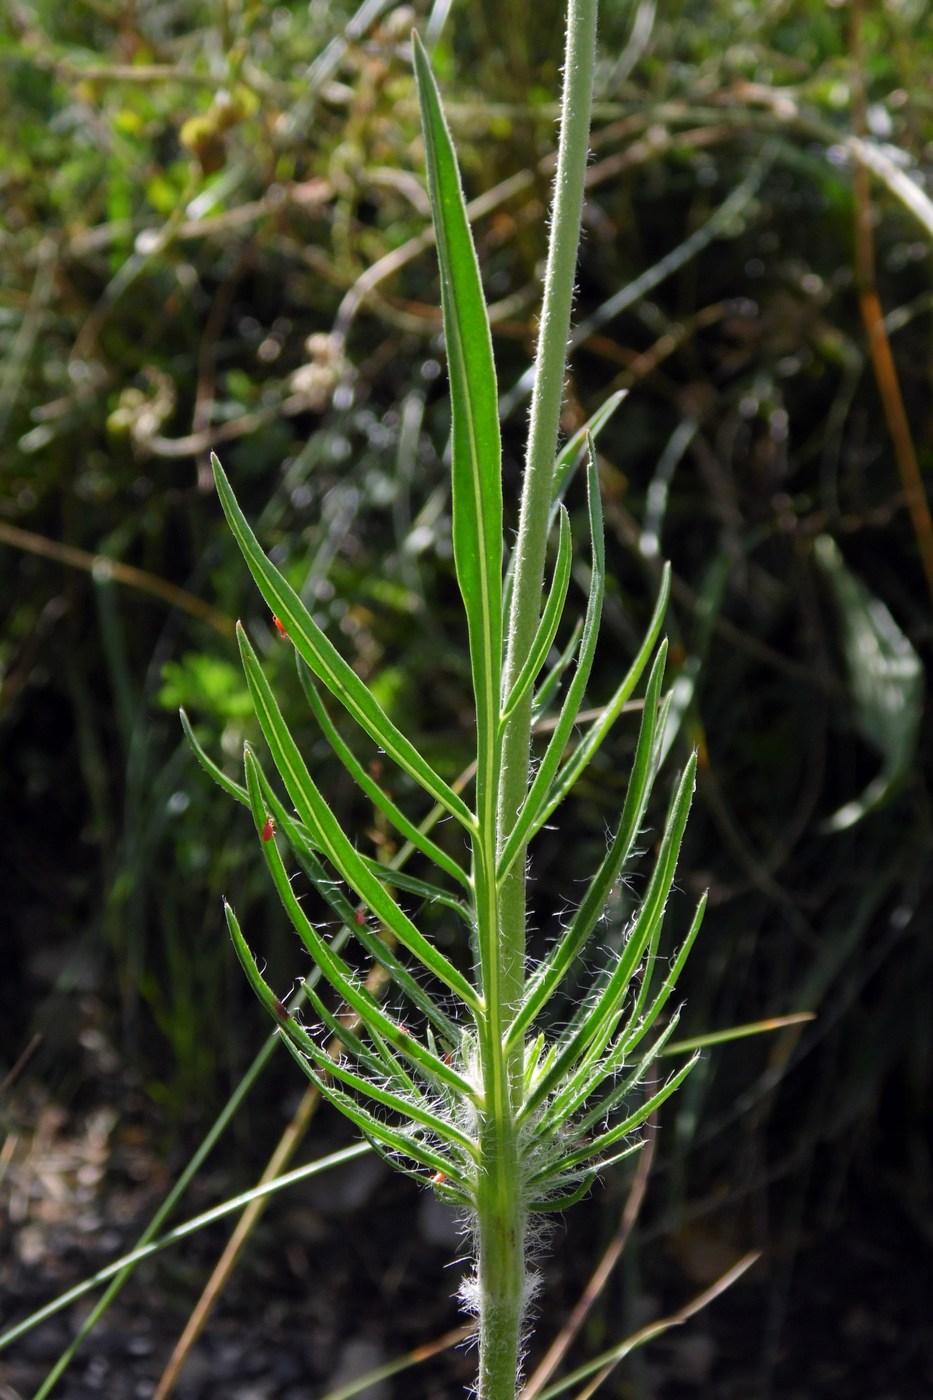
(373, 791)
(587, 1171)
(433, 894)
(300, 840)
(335, 970)
(330, 965)
(605, 1163)
(530, 817)
(249, 964)
(550, 620)
(601, 1019)
(707, 611)
(333, 841)
(597, 732)
(475, 442)
(373, 1057)
(640, 1023)
(409, 1108)
(304, 1048)
(326, 662)
(332, 891)
(575, 448)
(628, 1125)
(576, 1095)
(550, 974)
(567, 461)
(232, 789)
(646, 932)
(379, 1133)
(551, 1204)
(544, 696)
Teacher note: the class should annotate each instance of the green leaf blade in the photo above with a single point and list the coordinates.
(551, 972)
(325, 660)
(597, 732)
(373, 791)
(475, 436)
(533, 814)
(596, 1028)
(628, 1125)
(550, 620)
(333, 841)
(335, 971)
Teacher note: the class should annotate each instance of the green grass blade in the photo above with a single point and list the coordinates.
(475, 440)
(333, 842)
(550, 620)
(769, 1024)
(326, 662)
(146, 1249)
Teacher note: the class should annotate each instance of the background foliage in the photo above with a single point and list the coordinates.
(214, 236)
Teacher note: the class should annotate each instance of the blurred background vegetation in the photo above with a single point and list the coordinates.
(214, 237)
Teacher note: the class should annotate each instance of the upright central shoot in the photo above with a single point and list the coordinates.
(476, 458)
(470, 1085)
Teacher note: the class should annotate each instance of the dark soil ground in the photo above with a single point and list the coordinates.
(351, 1270)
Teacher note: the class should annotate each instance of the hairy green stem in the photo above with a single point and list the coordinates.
(531, 545)
(501, 1227)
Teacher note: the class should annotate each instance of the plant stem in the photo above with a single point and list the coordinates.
(501, 1269)
(531, 545)
(501, 1225)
